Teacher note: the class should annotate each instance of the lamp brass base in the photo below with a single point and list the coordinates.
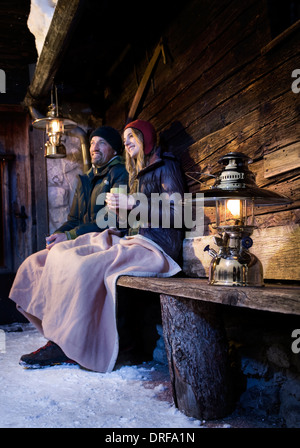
(55, 151)
(236, 271)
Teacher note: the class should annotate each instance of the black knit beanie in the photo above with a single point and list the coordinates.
(111, 135)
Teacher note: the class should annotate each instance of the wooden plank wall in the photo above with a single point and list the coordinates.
(221, 92)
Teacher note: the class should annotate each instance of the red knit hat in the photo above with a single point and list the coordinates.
(148, 132)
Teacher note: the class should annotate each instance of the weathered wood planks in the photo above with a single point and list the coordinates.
(221, 93)
(17, 194)
(278, 248)
(283, 160)
(56, 41)
(274, 298)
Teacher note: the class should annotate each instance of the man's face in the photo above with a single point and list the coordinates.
(101, 151)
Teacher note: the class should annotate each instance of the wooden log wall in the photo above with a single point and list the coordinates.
(226, 88)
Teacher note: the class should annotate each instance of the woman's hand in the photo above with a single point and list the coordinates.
(54, 239)
(117, 201)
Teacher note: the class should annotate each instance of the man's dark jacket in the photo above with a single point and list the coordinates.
(82, 216)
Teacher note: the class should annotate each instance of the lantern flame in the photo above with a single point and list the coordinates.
(234, 207)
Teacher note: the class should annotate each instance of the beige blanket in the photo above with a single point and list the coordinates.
(69, 292)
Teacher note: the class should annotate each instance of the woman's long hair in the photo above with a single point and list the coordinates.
(134, 166)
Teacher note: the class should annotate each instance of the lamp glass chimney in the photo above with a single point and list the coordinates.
(234, 212)
(55, 126)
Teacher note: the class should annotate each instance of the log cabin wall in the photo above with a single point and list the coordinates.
(225, 88)
(222, 89)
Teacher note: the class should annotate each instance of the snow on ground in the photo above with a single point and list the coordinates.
(71, 397)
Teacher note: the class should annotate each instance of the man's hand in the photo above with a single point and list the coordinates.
(54, 239)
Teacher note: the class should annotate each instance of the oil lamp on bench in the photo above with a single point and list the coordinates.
(234, 195)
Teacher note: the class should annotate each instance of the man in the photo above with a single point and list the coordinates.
(108, 171)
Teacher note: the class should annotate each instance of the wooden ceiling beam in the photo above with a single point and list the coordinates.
(65, 18)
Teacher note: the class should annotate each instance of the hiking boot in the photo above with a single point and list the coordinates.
(48, 355)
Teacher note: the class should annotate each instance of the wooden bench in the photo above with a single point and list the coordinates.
(195, 338)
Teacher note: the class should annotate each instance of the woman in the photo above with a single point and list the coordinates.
(150, 172)
(71, 299)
